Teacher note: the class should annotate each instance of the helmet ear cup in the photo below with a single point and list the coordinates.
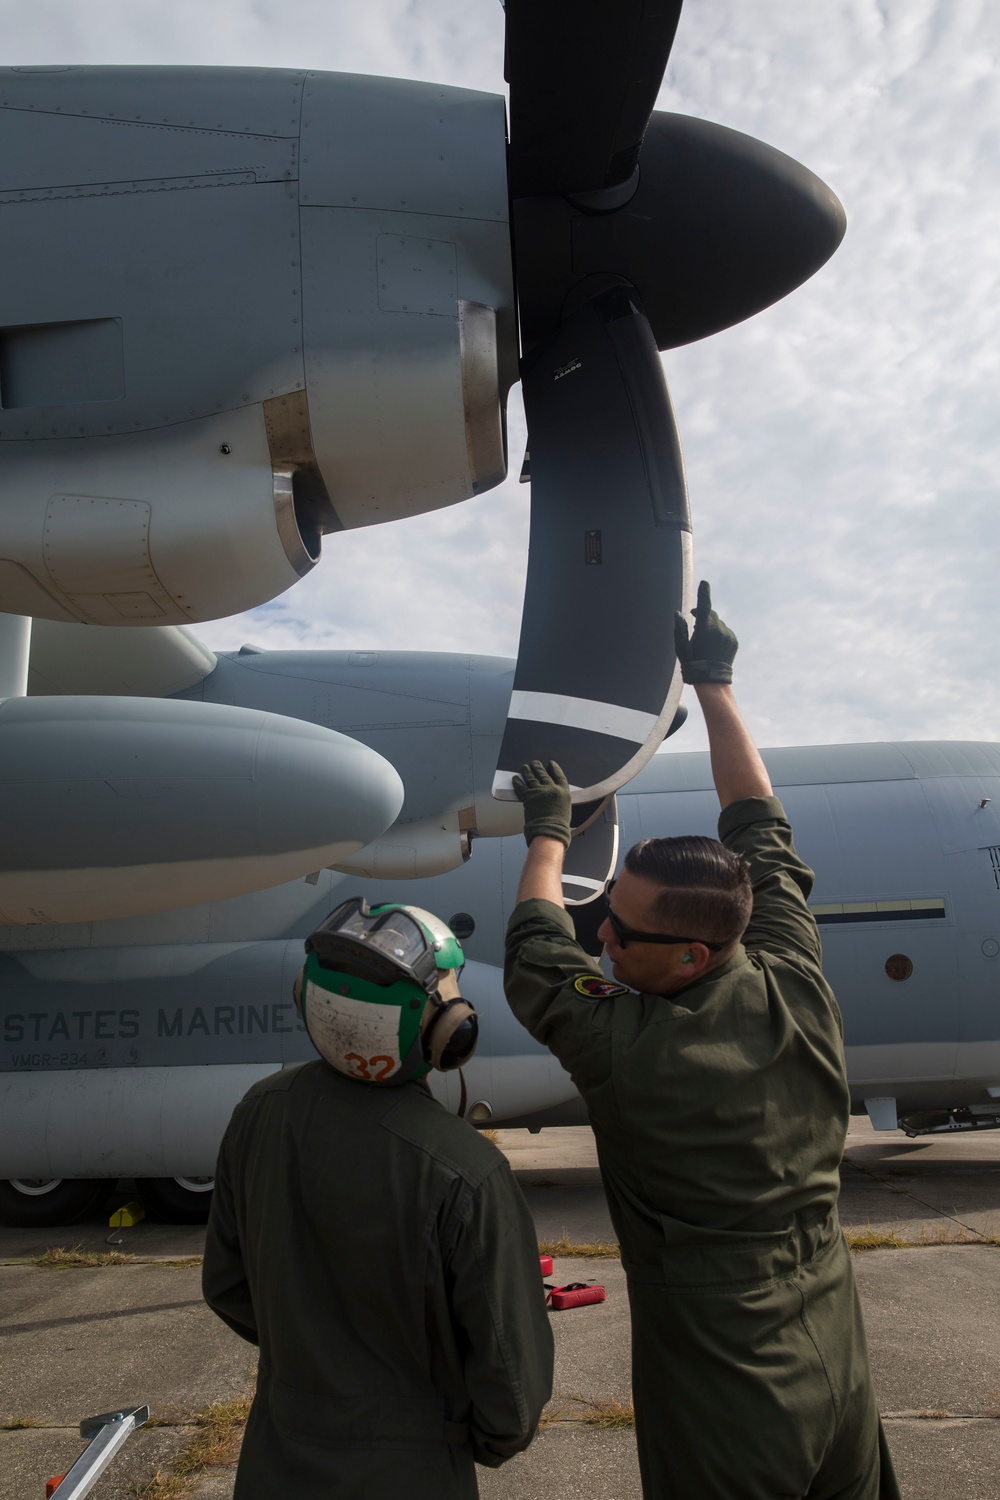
(450, 1033)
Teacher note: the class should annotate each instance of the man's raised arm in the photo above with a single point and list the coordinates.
(706, 658)
(545, 795)
(781, 919)
(737, 768)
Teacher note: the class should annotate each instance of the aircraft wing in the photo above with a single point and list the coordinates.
(135, 661)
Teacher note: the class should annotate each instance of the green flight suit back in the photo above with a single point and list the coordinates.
(381, 1254)
(720, 1116)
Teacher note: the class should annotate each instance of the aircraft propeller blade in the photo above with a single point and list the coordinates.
(583, 75)
(609, 560)
(591, 857)
(632, 232)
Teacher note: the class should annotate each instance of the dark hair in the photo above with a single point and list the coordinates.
(704, 888)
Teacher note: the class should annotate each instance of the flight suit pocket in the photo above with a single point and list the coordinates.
(700, 1259)
(697, 1259)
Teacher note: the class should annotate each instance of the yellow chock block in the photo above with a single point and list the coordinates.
(125, 1217)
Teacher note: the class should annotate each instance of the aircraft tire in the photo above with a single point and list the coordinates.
(176, 1200)
(42, 1203)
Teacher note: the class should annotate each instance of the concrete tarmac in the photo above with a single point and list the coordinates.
(80, 1340)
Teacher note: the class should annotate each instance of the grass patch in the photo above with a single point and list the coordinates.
(215, 1443)
(220, 1433)
(874, 1239)
(60, 1259)
(164, 1486)
(585, 1250)
(939, 1415)
(63, 1258)
(609, 1414)
(878, 1239)
(18, 1424)
(586, 1412)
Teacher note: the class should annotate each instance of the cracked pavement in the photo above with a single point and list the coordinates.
(79, 1340)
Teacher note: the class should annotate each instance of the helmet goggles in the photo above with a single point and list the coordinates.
(379, 993)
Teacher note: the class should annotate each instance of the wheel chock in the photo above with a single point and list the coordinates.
(127, 1215)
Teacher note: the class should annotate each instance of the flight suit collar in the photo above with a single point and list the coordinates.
(695, 994)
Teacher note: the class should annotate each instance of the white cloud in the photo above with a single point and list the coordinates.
(430, 39)
(842, 447)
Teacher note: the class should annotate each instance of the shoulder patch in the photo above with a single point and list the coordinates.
(598, 989)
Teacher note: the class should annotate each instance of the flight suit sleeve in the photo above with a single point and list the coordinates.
(781, 921)
(223, 1276)
(490, 1254)
(542, 964)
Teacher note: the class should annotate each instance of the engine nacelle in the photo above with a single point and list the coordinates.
(437, 716)
(115, 807)
(239, 309)
(411, 849)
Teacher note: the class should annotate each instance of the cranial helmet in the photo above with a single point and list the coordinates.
(379, 993)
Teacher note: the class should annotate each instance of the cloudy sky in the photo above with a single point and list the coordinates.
(842, 448)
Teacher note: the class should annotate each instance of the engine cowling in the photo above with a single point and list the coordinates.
(240, 309)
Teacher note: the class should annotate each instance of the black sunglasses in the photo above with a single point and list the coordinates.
(626, 935)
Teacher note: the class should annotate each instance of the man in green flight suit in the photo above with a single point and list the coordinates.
(376, 1247)
(713, 1072)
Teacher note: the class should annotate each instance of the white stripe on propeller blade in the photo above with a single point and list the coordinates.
(582, 713)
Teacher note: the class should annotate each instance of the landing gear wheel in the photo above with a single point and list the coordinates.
(177, 1200)
(43, 1202)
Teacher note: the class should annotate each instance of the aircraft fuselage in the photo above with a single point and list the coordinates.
(126, 1043)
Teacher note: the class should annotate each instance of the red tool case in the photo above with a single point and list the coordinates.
(574, 1294)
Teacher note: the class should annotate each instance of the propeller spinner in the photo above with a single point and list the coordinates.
(633, 232)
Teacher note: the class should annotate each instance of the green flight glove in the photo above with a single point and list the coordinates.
(706, 655)
(546, 799)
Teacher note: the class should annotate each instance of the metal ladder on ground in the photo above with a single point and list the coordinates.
(108, 1433)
